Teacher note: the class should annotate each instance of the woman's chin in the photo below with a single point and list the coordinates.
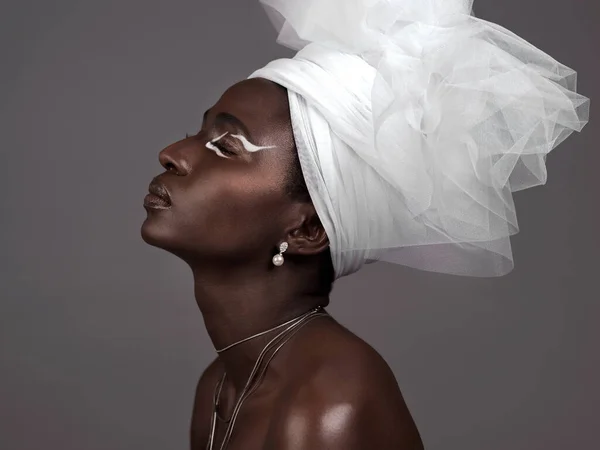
(155, 234)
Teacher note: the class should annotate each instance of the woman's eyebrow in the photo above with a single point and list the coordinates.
(224, 117)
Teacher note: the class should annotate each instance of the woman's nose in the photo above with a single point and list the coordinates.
(172, 159)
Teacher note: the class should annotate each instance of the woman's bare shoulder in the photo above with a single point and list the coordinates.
(336, 371)
(333, 349)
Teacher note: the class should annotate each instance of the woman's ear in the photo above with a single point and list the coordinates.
(307, 236)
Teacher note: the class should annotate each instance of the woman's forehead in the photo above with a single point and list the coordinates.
(256, 102)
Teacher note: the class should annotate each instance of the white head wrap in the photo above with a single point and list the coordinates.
(414, 123)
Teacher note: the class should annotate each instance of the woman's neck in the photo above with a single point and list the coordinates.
(240, 306)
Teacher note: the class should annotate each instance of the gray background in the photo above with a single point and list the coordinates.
(101, 340)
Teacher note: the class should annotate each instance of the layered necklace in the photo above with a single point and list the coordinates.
(257, 373)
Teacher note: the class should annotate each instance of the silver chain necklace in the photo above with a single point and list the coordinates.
(263, 332)
(253, 382)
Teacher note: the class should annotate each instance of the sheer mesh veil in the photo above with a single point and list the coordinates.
(415, 121)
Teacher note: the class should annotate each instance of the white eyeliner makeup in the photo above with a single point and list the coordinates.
(248, 145)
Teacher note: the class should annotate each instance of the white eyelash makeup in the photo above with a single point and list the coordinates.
(247, 144)
(215, 149)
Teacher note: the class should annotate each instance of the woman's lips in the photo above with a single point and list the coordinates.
(158, 196)
(156, 202)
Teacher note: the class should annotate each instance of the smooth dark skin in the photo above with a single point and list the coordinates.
(326, 388)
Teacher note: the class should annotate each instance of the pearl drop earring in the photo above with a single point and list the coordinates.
(278, 259)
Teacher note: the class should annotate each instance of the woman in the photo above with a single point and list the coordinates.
(225, 218)
(397, 133)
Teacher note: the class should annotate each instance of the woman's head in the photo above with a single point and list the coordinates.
(231, 205)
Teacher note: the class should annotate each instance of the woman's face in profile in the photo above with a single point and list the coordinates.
(227, 182)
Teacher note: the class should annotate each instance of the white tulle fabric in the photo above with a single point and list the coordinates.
(415, 121)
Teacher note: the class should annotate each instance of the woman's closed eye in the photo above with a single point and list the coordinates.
(218, 148)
